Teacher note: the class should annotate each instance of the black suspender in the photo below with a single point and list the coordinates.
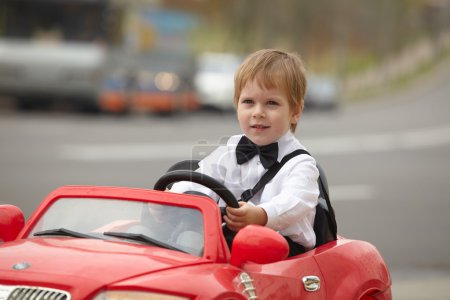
(271, 172)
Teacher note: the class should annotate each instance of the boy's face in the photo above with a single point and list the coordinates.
(264, 114)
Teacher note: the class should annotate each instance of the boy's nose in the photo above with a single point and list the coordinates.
(258, 111)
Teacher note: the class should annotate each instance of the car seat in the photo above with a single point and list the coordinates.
(325, 226)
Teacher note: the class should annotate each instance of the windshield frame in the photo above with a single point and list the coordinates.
(213, 237)
(164, 225)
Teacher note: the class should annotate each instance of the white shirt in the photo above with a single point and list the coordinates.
(289, 199)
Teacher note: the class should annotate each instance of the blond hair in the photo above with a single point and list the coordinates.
(273, 68)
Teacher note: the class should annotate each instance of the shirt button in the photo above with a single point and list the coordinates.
(258, 162)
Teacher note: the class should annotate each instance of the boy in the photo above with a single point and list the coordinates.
(270, 87)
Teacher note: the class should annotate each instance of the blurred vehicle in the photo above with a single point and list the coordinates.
(214, 80)
(151, 82)
(51, 51)
(72, 52)
(323, 92)
(114, 95)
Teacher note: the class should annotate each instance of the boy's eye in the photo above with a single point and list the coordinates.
(272, 102)
(247, 101)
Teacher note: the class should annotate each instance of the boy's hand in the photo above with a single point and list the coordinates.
(246, 214)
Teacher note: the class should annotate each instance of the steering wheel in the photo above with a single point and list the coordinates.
(196, 177)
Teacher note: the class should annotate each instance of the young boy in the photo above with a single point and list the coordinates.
(270, 87)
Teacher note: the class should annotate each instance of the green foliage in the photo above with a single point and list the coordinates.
(360, 62)
(350, 35)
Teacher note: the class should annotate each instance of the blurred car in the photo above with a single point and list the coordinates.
(114, 94)
(41, 74)
(214, 79)
(323, 92)
(149, 83)
(53, 52)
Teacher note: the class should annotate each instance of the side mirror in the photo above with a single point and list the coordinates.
(11, 222)
(258, 244)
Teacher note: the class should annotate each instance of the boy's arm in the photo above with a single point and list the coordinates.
(297, 198)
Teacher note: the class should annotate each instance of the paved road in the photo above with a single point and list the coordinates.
(387, 163)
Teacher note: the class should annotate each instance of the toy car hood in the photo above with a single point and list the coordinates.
(70, 261)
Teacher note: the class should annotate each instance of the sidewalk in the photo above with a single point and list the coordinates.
(420, 284)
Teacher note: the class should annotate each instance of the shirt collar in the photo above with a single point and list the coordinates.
(286, 144)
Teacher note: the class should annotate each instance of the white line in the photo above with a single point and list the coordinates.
(408, 140)
(126, 152)
(353, 192)
(426, 138)
(337, 145)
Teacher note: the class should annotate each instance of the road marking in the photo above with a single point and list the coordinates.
(126, 152)
(152, 152)
(382, 142)
(336, 145)
(352, 192)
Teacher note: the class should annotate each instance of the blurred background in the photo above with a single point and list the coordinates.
(112, 92)
(158, 56)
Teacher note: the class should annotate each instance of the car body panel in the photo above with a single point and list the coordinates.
(256, 266)
(206, 281)
(72, 263)
(342, 283)
(291, 272)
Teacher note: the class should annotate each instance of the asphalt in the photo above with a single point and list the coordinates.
(423, 284)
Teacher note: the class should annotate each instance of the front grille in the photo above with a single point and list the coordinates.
(35, 293)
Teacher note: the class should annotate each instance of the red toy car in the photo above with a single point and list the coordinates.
(91, 242)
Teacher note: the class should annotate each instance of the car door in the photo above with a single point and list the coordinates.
(293, 278)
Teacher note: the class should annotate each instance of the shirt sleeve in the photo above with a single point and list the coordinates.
(297, 198)
(212, 165)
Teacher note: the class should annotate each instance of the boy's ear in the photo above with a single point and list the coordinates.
(297, 112)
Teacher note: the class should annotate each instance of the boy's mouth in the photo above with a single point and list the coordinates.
(259, 126)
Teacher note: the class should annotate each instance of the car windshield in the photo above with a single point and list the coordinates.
(172, 227)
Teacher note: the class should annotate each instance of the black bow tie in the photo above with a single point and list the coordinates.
(246, 150)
